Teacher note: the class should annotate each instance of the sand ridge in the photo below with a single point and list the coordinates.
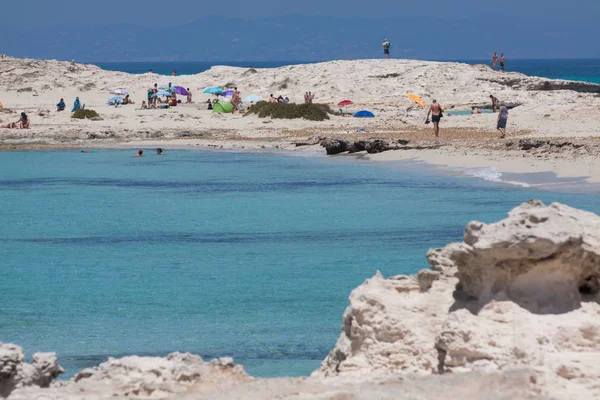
(547, 108)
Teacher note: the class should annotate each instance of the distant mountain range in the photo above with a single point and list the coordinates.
(296, 37)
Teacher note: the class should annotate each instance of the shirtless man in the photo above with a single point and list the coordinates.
(235, 100)
(495, 102)
(435, 110)
(495, 61)
(502, 62)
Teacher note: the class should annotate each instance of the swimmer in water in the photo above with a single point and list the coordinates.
(139, 153)
(159, 151)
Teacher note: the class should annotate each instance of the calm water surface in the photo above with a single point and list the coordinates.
(222, 254)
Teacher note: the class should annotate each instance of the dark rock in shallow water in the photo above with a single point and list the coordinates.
(335, 146)
(371, 146)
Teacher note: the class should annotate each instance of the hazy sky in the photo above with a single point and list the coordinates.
(432, 29)
(144, 12)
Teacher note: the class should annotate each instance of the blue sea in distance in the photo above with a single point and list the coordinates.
(221, 254)
(587, 70)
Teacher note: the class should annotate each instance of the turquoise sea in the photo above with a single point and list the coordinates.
(221, 254)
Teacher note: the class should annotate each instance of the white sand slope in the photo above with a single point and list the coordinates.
(376, 85)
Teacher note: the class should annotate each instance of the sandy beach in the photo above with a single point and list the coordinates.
(551, 130)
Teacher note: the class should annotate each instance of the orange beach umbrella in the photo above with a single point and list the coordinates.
(416, 99)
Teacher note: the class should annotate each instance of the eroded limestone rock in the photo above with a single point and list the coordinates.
(16, 373)
(146, 377)
(522, 292)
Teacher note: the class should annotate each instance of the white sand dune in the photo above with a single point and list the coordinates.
(548, 108)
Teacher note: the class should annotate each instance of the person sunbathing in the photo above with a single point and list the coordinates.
(61, 105)
(144, 106)
(127, 100)
(11, 125)
(24, 121)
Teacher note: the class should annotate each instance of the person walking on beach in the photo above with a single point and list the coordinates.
(174, 73)
(495, 62)
(502, 119)
(495, 102)
(435, 110)
(386, 48)
(502, 62)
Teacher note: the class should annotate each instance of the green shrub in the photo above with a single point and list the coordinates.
(394, 75)
(83, 114)
(311, 112)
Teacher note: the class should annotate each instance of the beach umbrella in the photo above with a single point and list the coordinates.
(345, 103)
(364, 114)
(119, 92)
(213, 90)
(115, 100)
(229, 93)
(251, 98)
(166, 88)
(162, 94)
(180, 90)
(416, 99)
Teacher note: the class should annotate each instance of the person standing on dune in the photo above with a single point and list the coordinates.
(495, 61)
(502, 62)
(386, 48)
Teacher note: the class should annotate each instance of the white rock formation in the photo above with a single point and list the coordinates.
(145, 377)
(519, 292)
(513, 312)
(16, 373)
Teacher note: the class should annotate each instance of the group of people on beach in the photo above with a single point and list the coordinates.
(279, 99)
(495, 60)
(154, 101)
(22, 123)
(140, 153)
(309, 97)
(436, 112)
(61, 106)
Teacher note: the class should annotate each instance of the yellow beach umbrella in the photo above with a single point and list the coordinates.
(416, 99)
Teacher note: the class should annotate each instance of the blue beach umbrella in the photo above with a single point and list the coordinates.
(213, 90)
(364, 114)
(115, 100)
(161, 94)
(166, 88)
(252, 98)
